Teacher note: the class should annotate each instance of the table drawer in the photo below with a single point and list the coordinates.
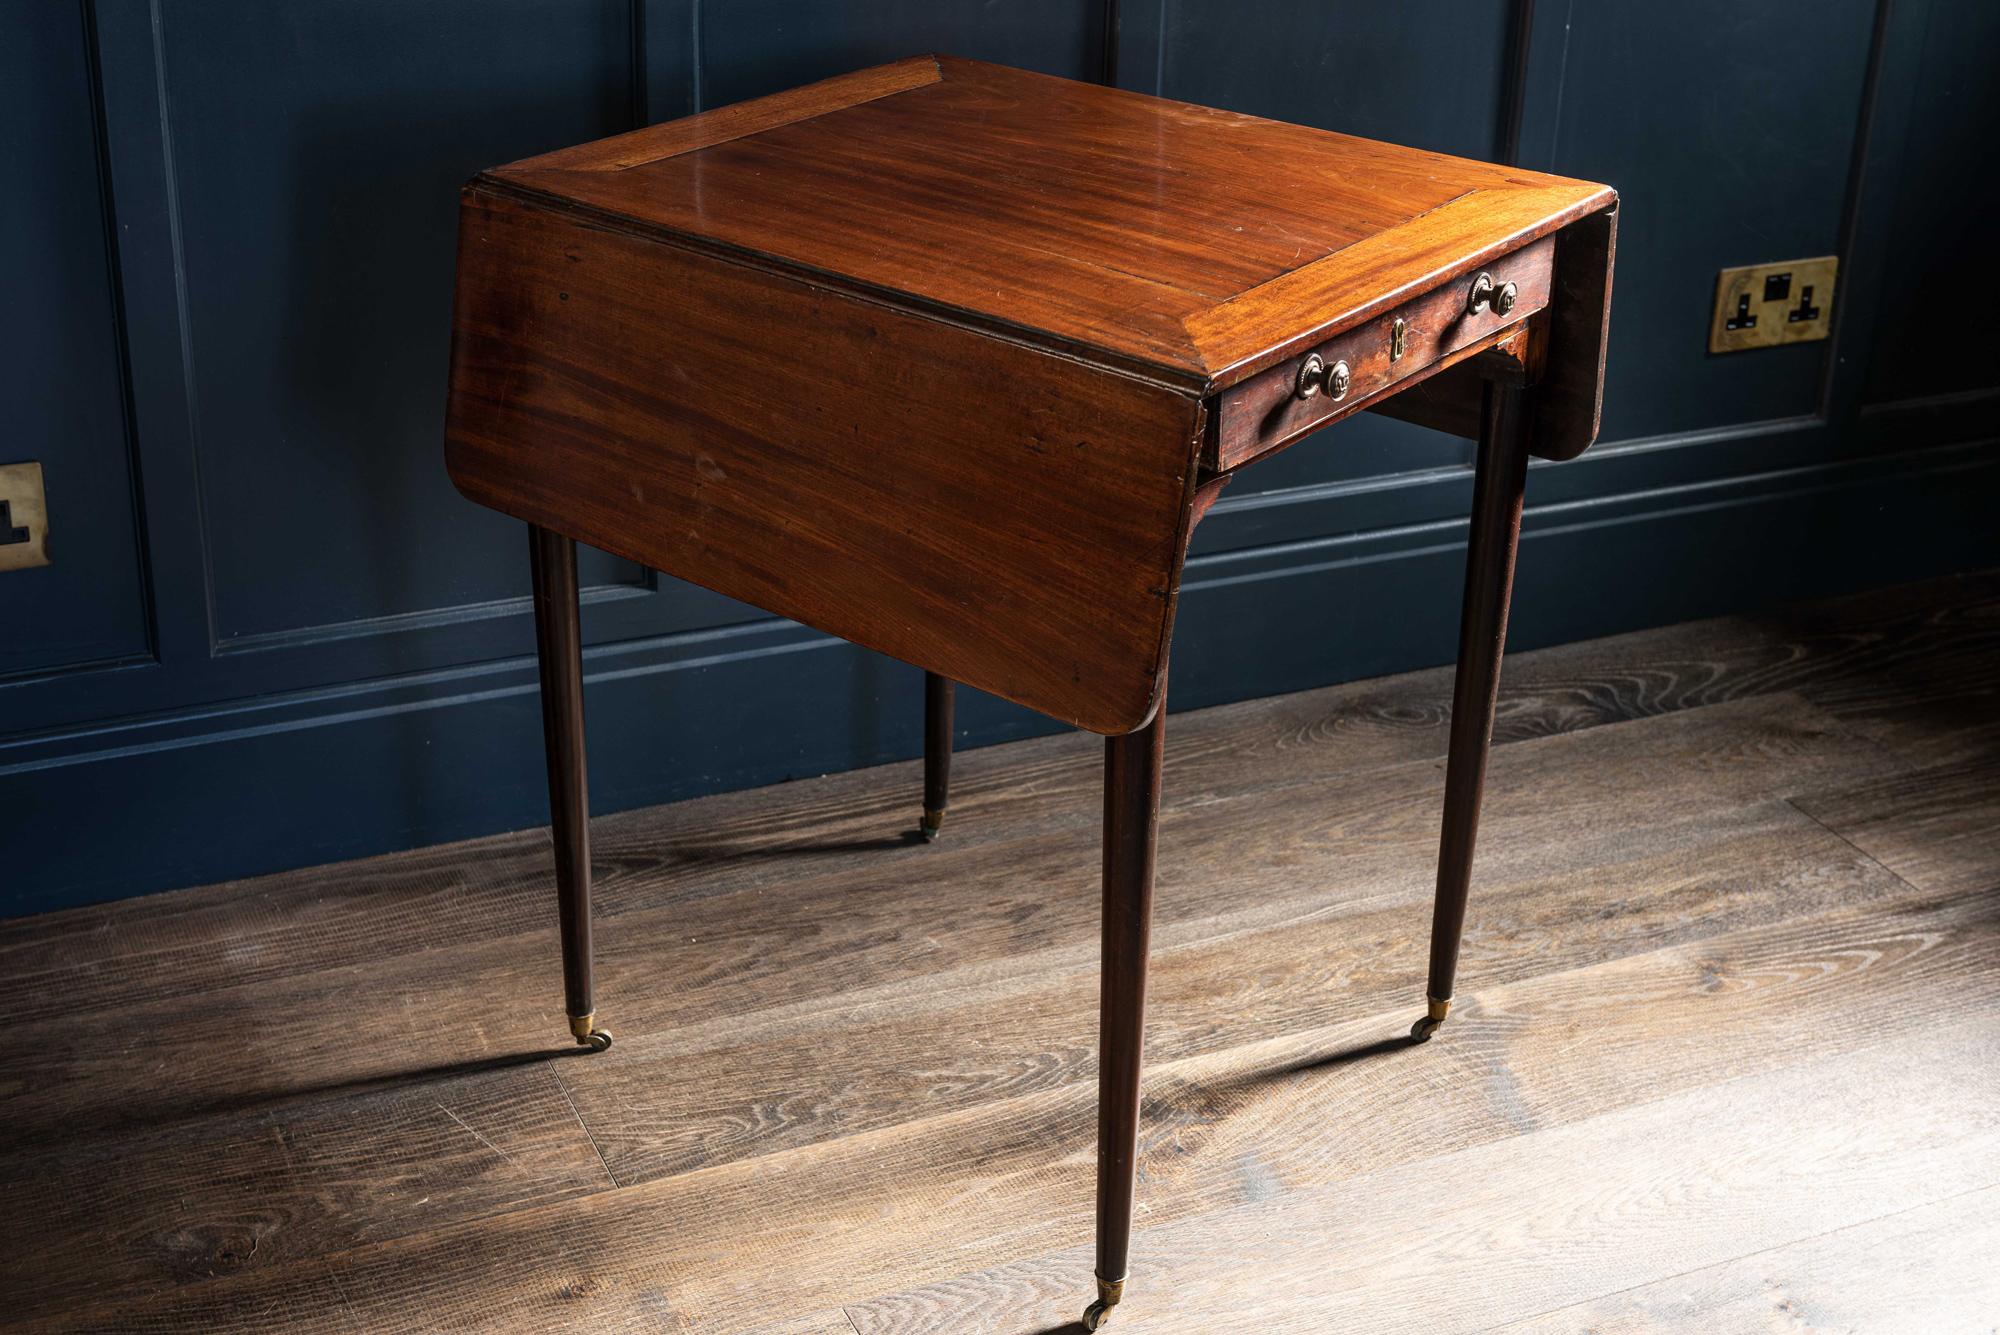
(1424, 334)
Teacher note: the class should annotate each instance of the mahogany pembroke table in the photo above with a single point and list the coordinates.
(948, 359)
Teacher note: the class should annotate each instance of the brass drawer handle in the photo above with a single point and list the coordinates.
(1484, 293)
(1338, 380)
(1310, 373)
(1315, 375)
(1481, 294)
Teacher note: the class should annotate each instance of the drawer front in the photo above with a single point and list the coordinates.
(1425, 334)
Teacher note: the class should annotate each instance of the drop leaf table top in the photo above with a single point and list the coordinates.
(946, 358)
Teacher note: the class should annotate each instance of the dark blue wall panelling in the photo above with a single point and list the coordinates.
(317, 332)
(752, 47)
(274, 635)
(1946, 201)
(1722, 156)
(60, 393)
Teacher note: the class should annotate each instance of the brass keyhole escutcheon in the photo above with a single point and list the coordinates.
(1399, 334)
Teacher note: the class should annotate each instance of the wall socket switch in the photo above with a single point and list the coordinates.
(24, 517)
(1763, 305)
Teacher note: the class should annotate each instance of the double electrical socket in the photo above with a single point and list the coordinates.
(24, 517)
(1762, 305)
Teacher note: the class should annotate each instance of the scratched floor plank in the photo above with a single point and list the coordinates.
(1004, 1189)
(1926, 1270)
(1464, 1241)
(191, 1202)
(852, 1087)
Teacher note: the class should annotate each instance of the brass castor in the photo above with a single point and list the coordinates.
(1108, 1293)
(1421, 1031)
(587, 1034)
(933, 821)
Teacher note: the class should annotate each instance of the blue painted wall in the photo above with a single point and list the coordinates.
(273, 635)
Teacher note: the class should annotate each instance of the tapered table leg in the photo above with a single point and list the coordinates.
(1131, 830)
(937, 753)
(1489, 582)
(559, 647)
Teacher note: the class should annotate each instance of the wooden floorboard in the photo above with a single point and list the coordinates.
(1459, 1242)
(828, 1224)
(1735, 930)
(1937, 827)
(1940, 1283)
(1016, 908)
(224, 1195)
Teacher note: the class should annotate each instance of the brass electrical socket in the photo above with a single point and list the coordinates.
(1763, 305)
(24, 520)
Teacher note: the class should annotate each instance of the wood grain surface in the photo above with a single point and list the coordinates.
(1833, 1282)
(837, 462)
(1729, 1008)
(921, 357)
(1190, 244)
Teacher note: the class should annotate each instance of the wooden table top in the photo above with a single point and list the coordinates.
(1193, 245)
(948, 359)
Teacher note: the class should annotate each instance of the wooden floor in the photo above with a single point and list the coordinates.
(1726, 1055)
